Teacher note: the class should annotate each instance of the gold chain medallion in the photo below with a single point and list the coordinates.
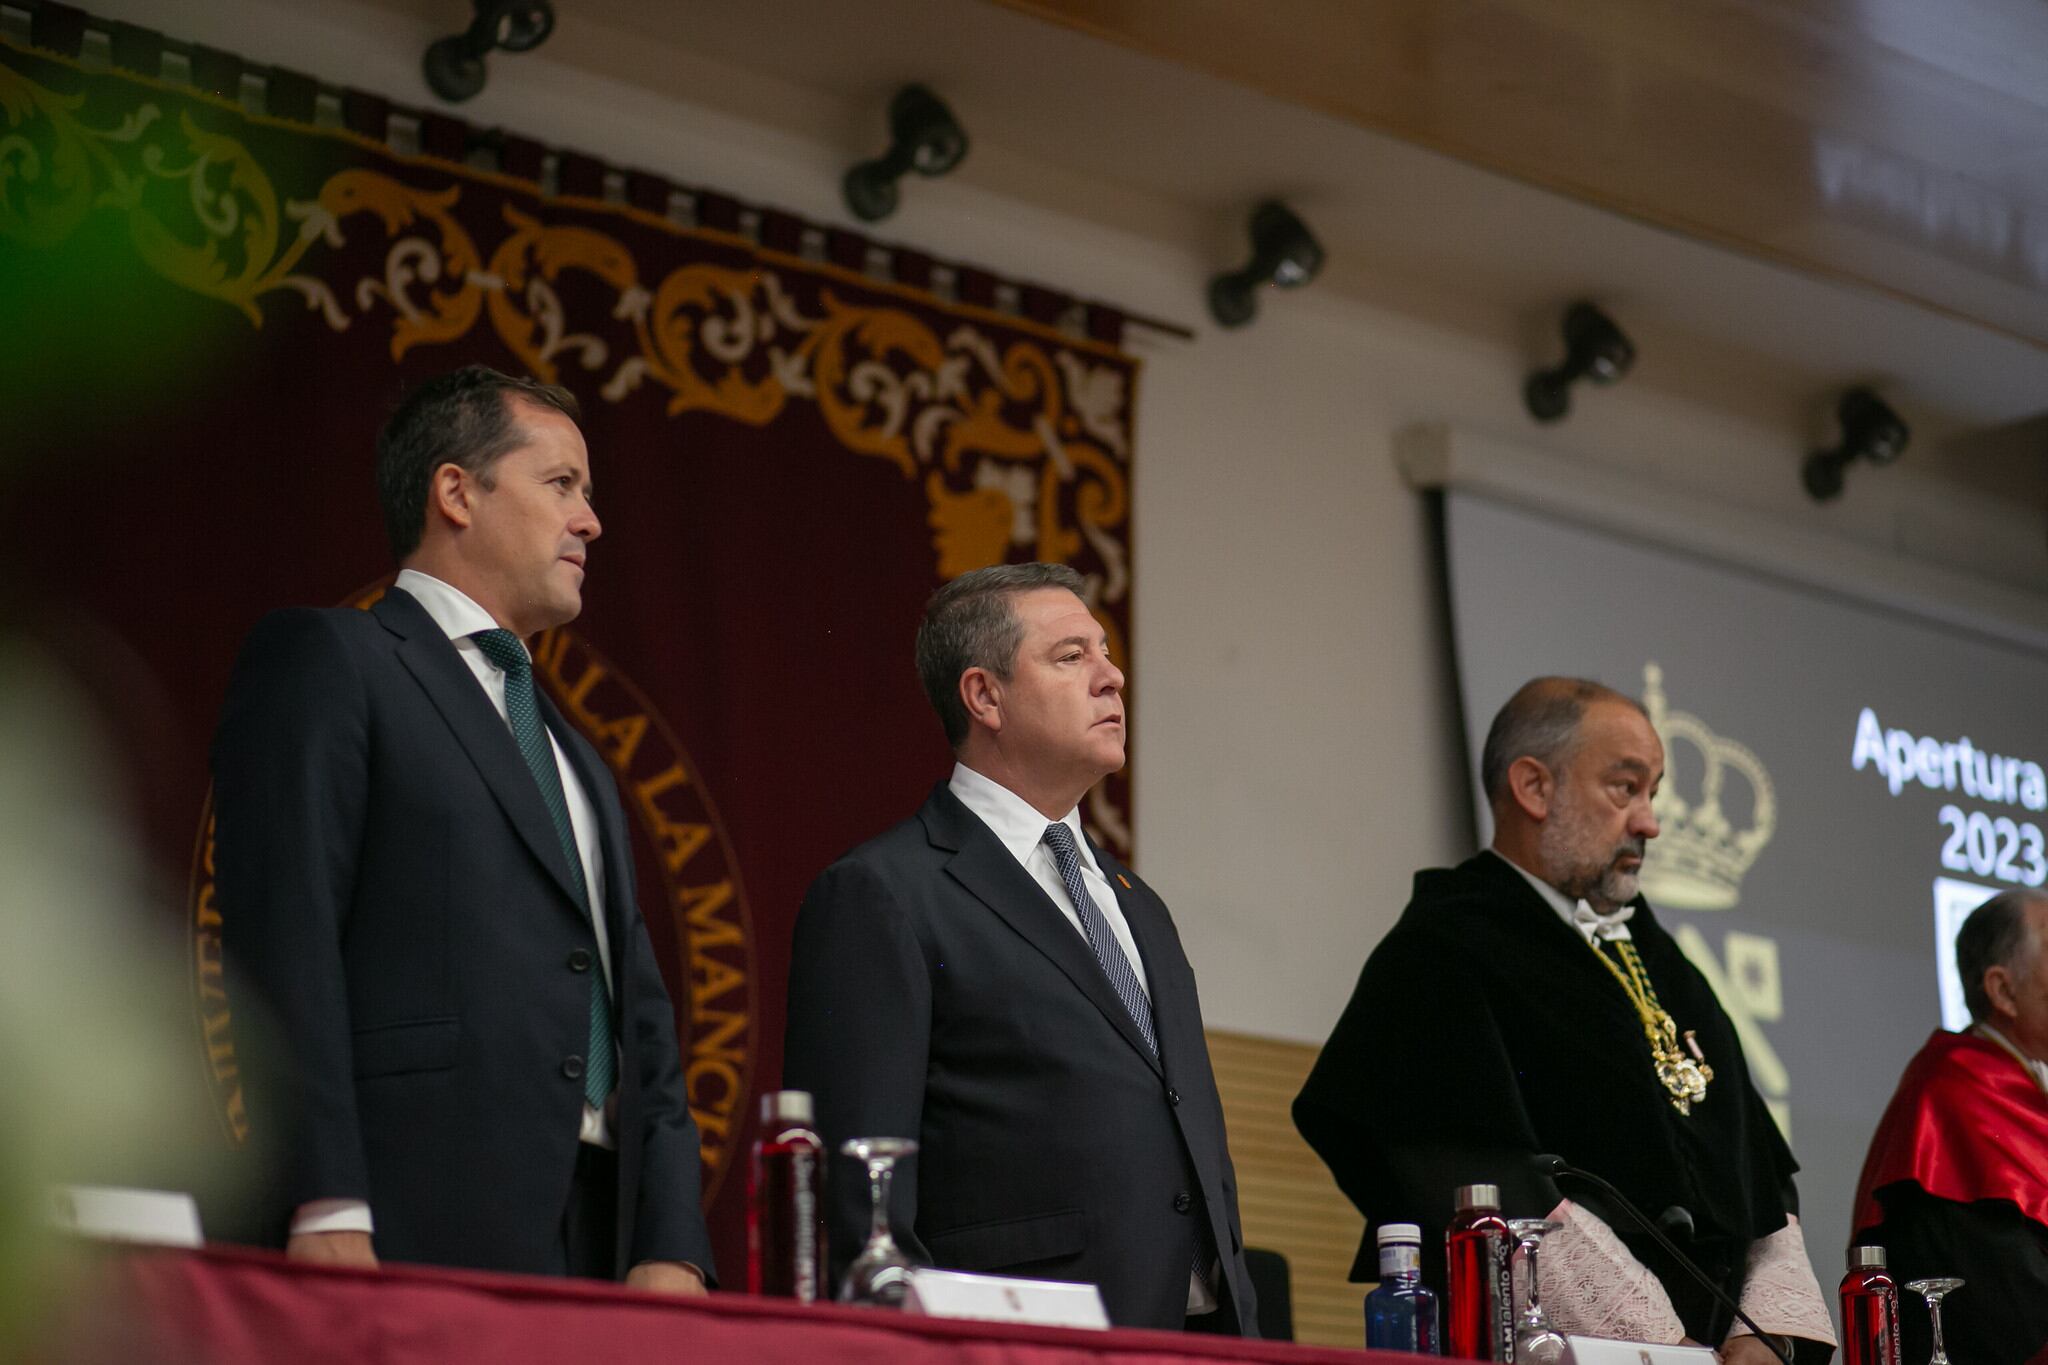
(1684, 1076)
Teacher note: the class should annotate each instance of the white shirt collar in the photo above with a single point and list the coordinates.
(1583, 919)
(2037, 1069)
(1017, 824)
(453, 610)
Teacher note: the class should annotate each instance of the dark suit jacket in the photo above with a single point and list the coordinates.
(391, 884)
(936, 992)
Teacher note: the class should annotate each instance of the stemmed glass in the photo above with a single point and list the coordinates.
(880, 1275)
(1536, 1342)
(1934, 1291)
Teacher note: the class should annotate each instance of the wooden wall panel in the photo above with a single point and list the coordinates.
(1286, 1196)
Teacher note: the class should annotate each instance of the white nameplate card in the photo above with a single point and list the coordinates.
(998, 1298)
(155, 1216)
(1601, 1351)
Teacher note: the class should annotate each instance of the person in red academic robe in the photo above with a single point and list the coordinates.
(1956, 1182)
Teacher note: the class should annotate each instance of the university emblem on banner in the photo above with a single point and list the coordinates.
(700, 895)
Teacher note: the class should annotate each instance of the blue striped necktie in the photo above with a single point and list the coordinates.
(1066, 855)
(503, 648)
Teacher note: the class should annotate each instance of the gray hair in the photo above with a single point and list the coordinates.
(1541, 721)
(970, 623)
(1997, 934)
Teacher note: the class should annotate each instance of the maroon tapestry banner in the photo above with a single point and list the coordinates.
(205, 315)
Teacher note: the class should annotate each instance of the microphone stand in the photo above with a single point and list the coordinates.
(1555, 1166)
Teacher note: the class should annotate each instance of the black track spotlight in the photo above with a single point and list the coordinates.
(1594, 348)
(455, 65)
(1870, 431)
(923, 137)
(1284, 253)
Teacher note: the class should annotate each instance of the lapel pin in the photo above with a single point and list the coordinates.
(1126, 881)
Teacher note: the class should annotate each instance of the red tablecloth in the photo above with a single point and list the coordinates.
(235, 1307)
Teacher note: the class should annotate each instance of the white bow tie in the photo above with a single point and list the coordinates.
(1613, 927)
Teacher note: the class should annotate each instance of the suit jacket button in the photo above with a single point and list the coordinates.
(1173, 1097)
(1183, 1201)
(572, 1067)
(579, 960)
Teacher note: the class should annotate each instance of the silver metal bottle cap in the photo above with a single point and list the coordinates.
(786, 1106)
(1866, 1258)
(1476, 1197)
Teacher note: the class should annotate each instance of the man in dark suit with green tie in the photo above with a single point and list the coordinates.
(425, 872)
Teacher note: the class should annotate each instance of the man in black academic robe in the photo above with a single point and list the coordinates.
(1487, 1028)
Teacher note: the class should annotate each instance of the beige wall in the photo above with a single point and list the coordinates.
(1293, 714)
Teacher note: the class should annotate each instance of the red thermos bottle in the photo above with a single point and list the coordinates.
(785, 1251)
(1870, 1310)
(1481, 1317)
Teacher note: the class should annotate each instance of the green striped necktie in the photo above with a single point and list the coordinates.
(503, 648)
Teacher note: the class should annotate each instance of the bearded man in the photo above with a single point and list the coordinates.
(1528, 1002)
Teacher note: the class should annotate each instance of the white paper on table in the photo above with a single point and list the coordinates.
(1602, 1351)
(999, 1298)
(160, 1217)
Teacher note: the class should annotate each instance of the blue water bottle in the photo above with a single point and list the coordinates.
(1400, 1315)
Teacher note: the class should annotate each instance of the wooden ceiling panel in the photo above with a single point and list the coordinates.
(1921, 128)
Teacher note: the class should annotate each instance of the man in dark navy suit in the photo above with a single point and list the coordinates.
(425, 873)
(983, 979)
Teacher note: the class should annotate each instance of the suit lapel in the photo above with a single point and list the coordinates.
(431, 658)
(985, 868)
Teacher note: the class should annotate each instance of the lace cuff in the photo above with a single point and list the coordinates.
(1779, 1289)
(1593, 1287)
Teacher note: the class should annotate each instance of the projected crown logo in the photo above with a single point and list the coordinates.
(1699, 860)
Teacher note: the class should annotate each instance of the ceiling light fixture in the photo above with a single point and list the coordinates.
(454, 65)
(923, 137)
(1284, 254)
(1871, 431)
(1594, 348)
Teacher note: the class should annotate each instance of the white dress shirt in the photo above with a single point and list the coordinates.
(1020, 827)
(458, 615)
(1587, 922)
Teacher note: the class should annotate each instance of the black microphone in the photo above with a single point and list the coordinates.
(1554, 1166)
(1677, 1220)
